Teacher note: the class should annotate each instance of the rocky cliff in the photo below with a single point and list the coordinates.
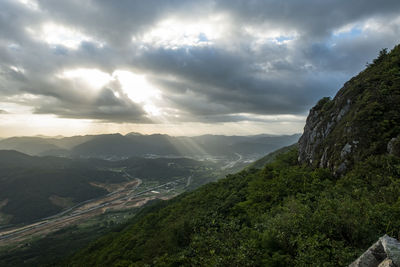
(363, 119)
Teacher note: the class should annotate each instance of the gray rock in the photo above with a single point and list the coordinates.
(342, 168)
(343, 111)
(345, 150)
(387, 263)
(323, 158)
(392, 248)
(384, 253)
(393, 147)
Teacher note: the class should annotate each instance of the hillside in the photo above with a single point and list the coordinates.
(289, 213)
(260, 163)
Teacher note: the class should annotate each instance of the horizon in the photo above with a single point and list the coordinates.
(185, 69)
(125, 134)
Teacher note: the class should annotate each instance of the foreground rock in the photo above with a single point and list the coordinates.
(384, 253)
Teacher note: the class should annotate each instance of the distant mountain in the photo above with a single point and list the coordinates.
(15, 159)
(162, 145)
(40, 145)
(28, 145)
(117, 146)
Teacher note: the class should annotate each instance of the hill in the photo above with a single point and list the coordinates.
(40, 145)
(297, 210)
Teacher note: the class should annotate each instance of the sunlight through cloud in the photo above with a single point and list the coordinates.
(173, 33)
(135, 86)
(139, 90)
(92, 77)
(56, 34)
(263, 35)
(31, 4)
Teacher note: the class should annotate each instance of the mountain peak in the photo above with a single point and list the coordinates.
(363, 119)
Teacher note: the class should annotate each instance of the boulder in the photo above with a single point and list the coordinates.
(384, 253)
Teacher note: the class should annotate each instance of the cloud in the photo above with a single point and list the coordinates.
(3, 112)
(209, 61)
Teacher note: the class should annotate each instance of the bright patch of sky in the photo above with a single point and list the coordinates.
(61, 35)
(135, 86)
(261, 35)
(17, 69)
(31, 4)
(92, 77)
(139, 90)
(173, 33)
(348, 31)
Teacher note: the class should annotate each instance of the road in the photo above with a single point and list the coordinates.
(124, 198)
(232, 163)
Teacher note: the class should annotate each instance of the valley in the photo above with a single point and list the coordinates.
(123, 188)
(131, 195)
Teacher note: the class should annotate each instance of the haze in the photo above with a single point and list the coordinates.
(180, 67)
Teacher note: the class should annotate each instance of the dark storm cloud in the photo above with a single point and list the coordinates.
(314, 17)
(241, 72)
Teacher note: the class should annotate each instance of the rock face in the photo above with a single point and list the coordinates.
(363, 119)
(319, 125)
(384, 253)
(393, 146)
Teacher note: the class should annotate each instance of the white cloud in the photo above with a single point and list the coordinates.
(31, 4)
(174, 33)
(92, 77)
(61, 35)
(264, 34)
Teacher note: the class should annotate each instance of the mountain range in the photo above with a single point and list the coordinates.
(122, 146)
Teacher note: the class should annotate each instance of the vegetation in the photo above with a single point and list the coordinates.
(259, 164)
(48, 251)
(365, 113)
(283, 215)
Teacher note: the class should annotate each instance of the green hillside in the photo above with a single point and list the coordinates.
(287, 213)
(260, 163)
(282, 215)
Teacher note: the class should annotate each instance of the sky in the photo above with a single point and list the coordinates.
(181, 67)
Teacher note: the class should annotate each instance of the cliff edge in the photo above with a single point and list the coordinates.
(363, 118)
